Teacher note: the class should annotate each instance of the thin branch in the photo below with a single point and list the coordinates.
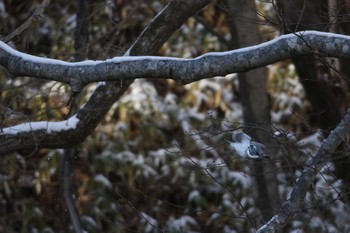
(297, 197)
(206, 171)
(37, 15)
(140, 214)
(66, 188)
(301, 15)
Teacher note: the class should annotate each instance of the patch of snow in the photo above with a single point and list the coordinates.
(89, 220)
(182, 224)
(3, 10)
(103, 180)
(151, 223)
(314, 139)
(143, 97)
(317, 223)
(159, 156)
(341, 212)
(43, 60)
(48, 126)
(244, 179)
(146, 170)
(102, 83)
(194, 196)
(227, 229)
(120, 126)
(226, 201)
(123, 156)
(296, 231)
(48, 230)
(209, 84)
(291, 38)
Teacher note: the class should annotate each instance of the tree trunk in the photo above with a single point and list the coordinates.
(321, 87)
(255, 101)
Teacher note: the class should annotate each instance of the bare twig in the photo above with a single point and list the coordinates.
(137, 211)
(37, 15)
(301, 15)
(206, 171)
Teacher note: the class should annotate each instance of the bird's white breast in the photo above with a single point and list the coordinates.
(240, 148)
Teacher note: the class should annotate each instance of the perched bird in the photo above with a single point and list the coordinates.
(243, 145)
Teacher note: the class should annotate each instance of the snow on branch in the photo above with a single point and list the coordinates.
(30, 135)
(174, 14)
(47, 126)
(294, 203)
(184, 71)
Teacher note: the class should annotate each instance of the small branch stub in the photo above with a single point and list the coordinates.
(76, 85)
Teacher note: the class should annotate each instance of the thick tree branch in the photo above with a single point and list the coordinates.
(184, 71)
(297, 197)
(129, 68)
(152, 38)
